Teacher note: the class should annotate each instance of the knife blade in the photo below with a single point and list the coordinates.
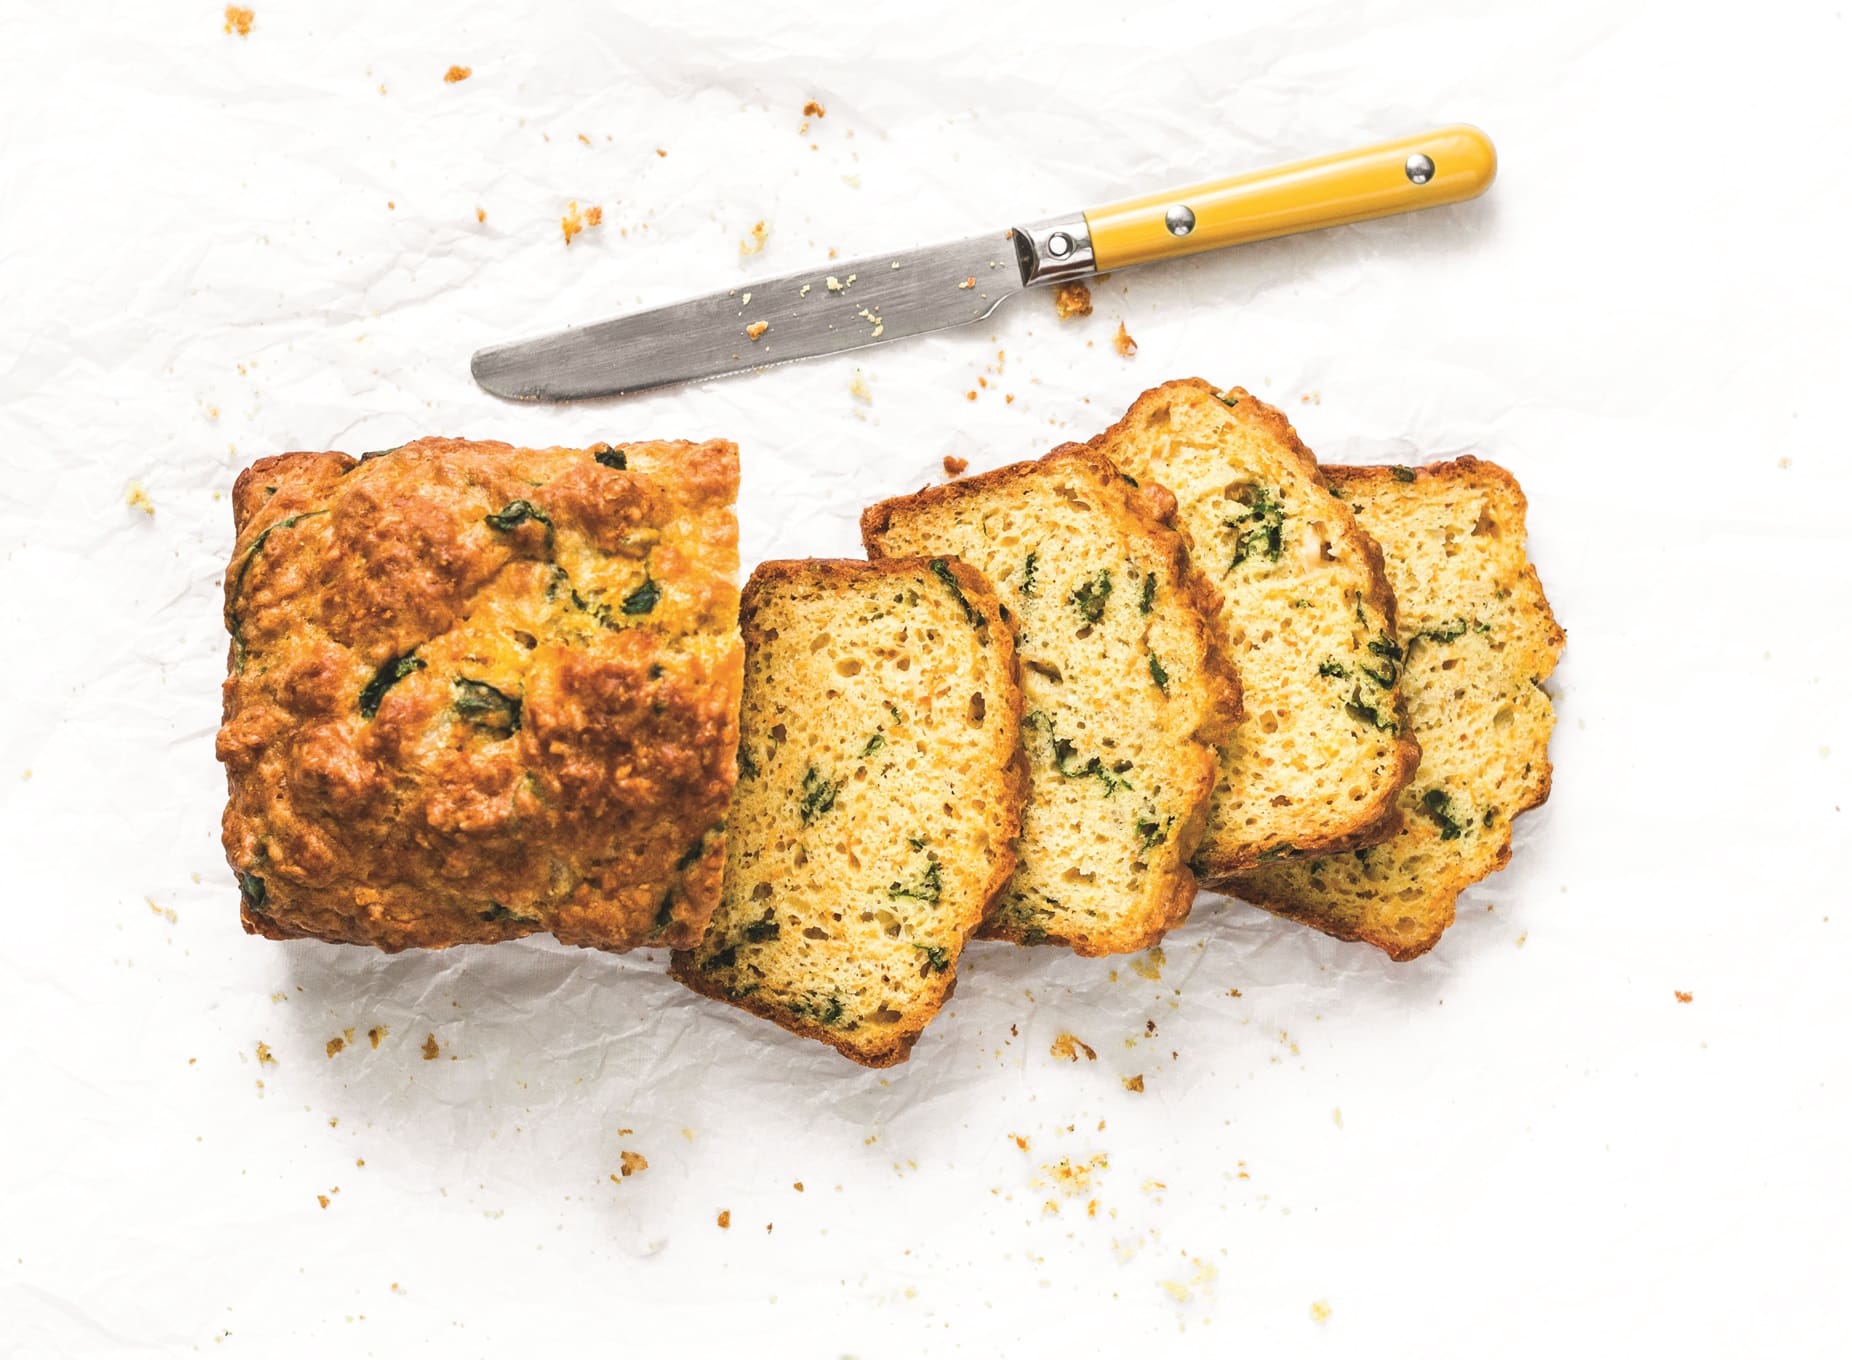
(891, 297)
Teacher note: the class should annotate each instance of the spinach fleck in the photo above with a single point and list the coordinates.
(1403, 474)
(1160, 675)
(384, 679)
(819, 795)
(927, 889)
(251, 888)
(761, 930)
(610, 456)
(1029, 564)
(1333, 669)
(516, 513)
(1150, 830)
(1149, 597)
(875, 743)
(943, 571)
(937, 958)
(257, 544)
(643, 598)
(1089, 597)
(1260, 527)
(487, 707)
(1437, 807)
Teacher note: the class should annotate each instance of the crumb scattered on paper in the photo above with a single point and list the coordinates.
(574, 221)
(955, 467)
(970, 281)
(1136, 1083)
(1068, 1046)
(1684, 998)
(858, 385)
(757, 328)
(1074, 1178)
(457, 73)
(375, 1034)
(264, 1056)
(169, 913)
(1072, 300)
(1321, 1311)
(138, 499)
(724, 1219)
(1020, 1140)
(1150, 964)
(812, 109)
(1124, 343)
(335, 1045)
(238, 20)
(481, 216)
(322, 1200)
(755, 239)
(430, 1048)
(632, 1162)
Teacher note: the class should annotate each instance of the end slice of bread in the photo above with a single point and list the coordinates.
(1323, 747)
(1479, 641)
(881, 787)
(1125, 694)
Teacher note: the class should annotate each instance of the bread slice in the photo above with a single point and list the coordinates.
(1124, 692)
(1323, 747)
(1479, 641)
(880, 790)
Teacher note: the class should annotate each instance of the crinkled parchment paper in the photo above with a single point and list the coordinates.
(214, 247)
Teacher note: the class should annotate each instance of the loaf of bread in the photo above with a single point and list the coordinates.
(1125, 693)
(1477, 641)
(478, 692)
(881, 786)
(1323, 745)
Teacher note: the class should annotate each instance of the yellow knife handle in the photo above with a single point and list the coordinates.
(1444, 166)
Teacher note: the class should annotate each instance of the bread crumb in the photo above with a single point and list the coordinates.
(632, 1162)
(955, 467)
(724, 1219)
(1074, 1178)
(970, 281)
(585, 139)
(481, 216)
(1072, 300)
(798, 1186)
(1136, 1083)
(755, 239)
(264, 1057)
(335, 1045)
(375, 1034)
(1337, 1116)
(757, 328)
(1020, 1140)
(1065, 1045)
(812, 109)
(971, 395)
(1177, 1290)
(457, 73)
(574, 221)
(138, 499)
(1123, 343)
(1321, 1311)
(322, 1200)
(1684, 998)
(1234, 991)
(155, 907)
(858, 385)
(1150, 964)
(430, 1048)
(238, 20)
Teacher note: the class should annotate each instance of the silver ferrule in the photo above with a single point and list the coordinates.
(1048, 252)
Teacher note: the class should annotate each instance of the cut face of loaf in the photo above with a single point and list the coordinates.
(1479, 642)
(1124, 693)
(880, 790)
(1323, 745)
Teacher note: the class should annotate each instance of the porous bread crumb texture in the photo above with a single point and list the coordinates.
(1479, 642)
(1124, 691)
(881, 785)
(478, 692)
(1323, 746)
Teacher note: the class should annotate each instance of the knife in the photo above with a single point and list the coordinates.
(890, 297)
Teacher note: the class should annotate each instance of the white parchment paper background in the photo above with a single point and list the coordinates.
(213, 248)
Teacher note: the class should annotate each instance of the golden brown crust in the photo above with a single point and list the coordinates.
(477, 692)
(826, 574)
(1419, 925)
(1146, 512)
(1377, 818)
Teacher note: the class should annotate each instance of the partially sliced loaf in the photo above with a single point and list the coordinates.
(1323, 746)
(1479, 642)
(1124, 692)
(880, 789)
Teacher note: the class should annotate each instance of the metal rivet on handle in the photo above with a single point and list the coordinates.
(1180, 220)
(1061, 245)
(1420, 168)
